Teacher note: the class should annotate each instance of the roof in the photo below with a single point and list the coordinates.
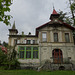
(52, 23)
(54, 14)
(13, 30)
(22, 35)
(60, 22)
(13, 27)
(54, 11)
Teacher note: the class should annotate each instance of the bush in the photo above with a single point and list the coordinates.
(8, 62)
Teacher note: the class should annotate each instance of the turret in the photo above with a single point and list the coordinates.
(13, 31)
(54, 15)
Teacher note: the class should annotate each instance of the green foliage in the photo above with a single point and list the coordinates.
(3, 57)
(12, 61)
(4, 7)
(72, 10)
(8, 61)
(64, 18)
(5, 44)
(72, 7)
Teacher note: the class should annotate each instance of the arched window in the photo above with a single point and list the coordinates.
(57, 56)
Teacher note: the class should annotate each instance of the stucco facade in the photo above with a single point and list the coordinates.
(52, 42)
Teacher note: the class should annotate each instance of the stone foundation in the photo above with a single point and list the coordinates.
(61, 67)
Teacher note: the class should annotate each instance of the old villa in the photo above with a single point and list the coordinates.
(52, 42)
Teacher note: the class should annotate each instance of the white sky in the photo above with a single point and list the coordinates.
(29, 14)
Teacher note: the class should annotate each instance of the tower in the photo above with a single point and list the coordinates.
(12, 33)
(54, 15)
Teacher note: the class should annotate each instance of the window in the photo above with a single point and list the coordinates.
(55, 37)
(28, 41)
(15, 41)
(28, 52)
(24, 41)
(44, 37)
(21, 52)
(35, 52)
(18, 41)
(33, 41)
(67, 37)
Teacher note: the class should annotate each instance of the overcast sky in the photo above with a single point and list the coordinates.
(29, 14)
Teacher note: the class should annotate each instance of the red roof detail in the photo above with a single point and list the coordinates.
(42, 25)
(54, 11)
(50, 22)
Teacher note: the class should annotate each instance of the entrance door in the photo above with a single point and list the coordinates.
(57, 56)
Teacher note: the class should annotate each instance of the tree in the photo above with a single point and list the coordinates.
(72, 9)
(12, 60)
(3, 59)
(5, 44)
(64, 18)
(9, 61)
(4, 7)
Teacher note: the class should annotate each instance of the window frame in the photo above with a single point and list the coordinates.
(18, 41)
(26, 53)
(22, 51)
(67, 40)
(28, 42)
(43, 37)
(56, 37)
(35, 51)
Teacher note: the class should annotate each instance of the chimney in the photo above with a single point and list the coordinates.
(22, 33)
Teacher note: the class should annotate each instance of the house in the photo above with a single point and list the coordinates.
(52, 42)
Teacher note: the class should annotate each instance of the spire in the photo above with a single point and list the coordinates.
(13, 27)
(53, 5)
(54, 11)
(54, 14)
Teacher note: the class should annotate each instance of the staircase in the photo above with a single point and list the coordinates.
(51, 66)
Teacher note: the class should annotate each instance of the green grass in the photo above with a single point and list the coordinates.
(32, 72)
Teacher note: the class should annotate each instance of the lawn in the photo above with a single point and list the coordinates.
(32, 72)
